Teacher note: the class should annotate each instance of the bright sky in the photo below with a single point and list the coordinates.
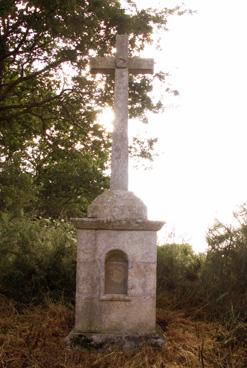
(200, 173)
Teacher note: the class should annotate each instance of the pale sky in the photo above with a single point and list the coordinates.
(200, 173)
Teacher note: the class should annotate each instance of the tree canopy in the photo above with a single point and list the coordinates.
(49, 101)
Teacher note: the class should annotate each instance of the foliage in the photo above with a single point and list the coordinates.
(224, 276)
(50, 139)
(18, 192)
(37, 257)
(214, 283)
(178, 272)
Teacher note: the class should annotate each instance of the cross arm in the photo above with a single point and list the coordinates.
(104, 65)
(138, 65)
(135, 65)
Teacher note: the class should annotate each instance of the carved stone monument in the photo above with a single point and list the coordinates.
(116, 247)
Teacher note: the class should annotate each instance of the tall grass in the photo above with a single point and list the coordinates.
(34, 338)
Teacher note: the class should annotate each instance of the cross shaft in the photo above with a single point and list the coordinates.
(122, 65)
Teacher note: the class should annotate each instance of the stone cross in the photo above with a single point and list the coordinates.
(122, 65)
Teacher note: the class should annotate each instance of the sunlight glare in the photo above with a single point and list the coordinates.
(106, 118)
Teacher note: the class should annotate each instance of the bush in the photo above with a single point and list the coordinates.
(224, 274)
(216, 282)
(178, 273)
(36, 257)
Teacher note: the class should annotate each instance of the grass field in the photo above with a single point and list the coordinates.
(34, 338)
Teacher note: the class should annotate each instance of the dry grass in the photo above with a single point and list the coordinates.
(34, 338)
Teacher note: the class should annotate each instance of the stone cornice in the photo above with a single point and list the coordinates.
(102, 224)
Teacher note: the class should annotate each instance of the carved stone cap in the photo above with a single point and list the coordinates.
(117, 205)
(100, 224)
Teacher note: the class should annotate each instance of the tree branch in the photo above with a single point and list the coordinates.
(28, 77)
(17, 48)
(33, 104)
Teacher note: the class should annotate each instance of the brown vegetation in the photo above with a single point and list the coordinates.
(34, 338)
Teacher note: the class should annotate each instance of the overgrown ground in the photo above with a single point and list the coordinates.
(34, 338)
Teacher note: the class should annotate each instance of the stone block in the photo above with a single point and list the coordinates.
(126, 249)
(142, 279)
(87, 279)
(112, 342)
(135, 316)
(140, 246)
(86, 245)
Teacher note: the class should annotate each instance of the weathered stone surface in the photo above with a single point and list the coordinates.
(85, 312)
(140, 246)
(142, 279)
(116, 273)
(112, 342)
(117, 205)
(86, 240)
(97, 311)
(86, 278)
(135, 65)
(101, 224)
(137, 315)
(122, 65)
(120, 150)
(115, 315)
(115, 297)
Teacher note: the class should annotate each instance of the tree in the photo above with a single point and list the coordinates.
(49, 102)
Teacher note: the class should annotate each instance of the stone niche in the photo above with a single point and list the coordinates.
(116, 278)
(116, 273)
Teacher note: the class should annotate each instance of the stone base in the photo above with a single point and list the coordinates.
(111, 342)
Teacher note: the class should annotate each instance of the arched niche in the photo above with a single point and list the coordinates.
(116, 272)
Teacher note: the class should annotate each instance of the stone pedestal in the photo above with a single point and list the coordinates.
(116, 275)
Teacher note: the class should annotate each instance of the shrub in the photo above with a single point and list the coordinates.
(36, 257)
(224, 274)
(178, 273)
